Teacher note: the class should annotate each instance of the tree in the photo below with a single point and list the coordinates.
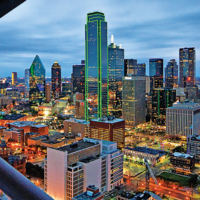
(192, 180)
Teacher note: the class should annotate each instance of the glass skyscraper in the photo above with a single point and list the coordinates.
(36, 82)
(26, 94)
(56, 80)
(115, 73)
(96, 67)
(187, 66)
(78, 78)
(156, 73)
(171, 74)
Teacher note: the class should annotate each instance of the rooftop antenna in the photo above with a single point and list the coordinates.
(112, 39)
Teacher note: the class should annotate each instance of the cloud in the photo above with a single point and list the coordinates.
(54, 30)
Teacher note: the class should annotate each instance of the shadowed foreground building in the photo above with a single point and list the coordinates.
(87, 162)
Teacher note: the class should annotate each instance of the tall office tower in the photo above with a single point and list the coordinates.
(162, 98)
(96, 70)
(14, 78)
(36, 81)
(193, 146)
(187, 66)
(86, 162)
(141, 69)
(78, 78)
(129, 66)
(26, 94)
(156, 73)
(133, 100)
(171, 74)
(56, 80)
(115, 73)
(47, 93)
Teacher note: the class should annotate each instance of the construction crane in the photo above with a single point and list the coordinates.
(148, 173)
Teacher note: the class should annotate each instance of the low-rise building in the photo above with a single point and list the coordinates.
(77, 126)
(140, 153)
(193, 146)
(12, 118)
(130, 196)
(40, 128)
(108, 128)
(87, 162)
(183, 163)
(92, 193)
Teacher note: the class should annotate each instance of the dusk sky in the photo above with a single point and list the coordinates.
(55, 30)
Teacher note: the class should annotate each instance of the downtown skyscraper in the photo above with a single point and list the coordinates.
(96, 70)
(171, 74)
(36, 82)
(187, 66)
(26, 93)
(56, 80)
(115, 74)
(156, 73)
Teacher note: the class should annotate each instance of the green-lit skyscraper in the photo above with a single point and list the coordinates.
(36, 81)
(96, 56)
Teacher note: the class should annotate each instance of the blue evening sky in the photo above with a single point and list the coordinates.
(55, 30)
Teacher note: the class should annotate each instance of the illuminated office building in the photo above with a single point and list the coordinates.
(115, 73)
(131, 67)
(133, 100)
(187, 66)
(162, 98)
(66, 89)
(96, 94)
(26, 94)
(171, 74)
(56, 80)
(78, 78)
(14, 78)
(36, 81)
(156, 73)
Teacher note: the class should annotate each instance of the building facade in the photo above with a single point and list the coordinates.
(96, 70)
(14, 78)
(78, 78)
(162, 98)
(183, 119)
(171, 74)
(187, 66)
(56, 80)
(36, 82)
(26, 94)
(115, 73)
(87, 162)
(133, 100)
(108, 128)
(156, 73)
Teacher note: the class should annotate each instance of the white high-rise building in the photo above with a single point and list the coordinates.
(183, 119)
(70, 169)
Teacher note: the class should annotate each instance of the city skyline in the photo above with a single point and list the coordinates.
(143, 34)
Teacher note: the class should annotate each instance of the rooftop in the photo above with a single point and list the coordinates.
(13, 117)
(138, 196)
(182, 155)
(77, 121)
(39, 126)
(109, 119)
(185, 106)
(146, 150)
(76, 146)
(22, 123)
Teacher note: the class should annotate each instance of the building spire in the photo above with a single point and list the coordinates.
(112, 39)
